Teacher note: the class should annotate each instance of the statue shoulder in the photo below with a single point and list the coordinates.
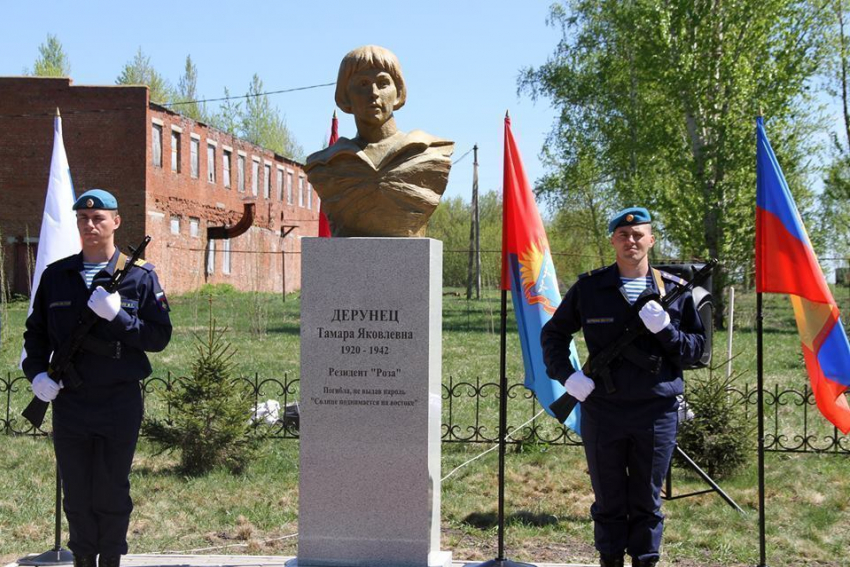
(322, 157)
(422, 137)
(422, 143)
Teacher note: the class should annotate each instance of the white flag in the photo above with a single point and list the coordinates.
(58, 237)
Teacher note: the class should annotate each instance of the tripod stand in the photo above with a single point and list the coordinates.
(667, 493)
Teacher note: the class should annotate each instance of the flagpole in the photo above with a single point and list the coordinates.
(500, 560)
(63, 195)
(760, 411)
(760, 408)
(503, 422)
(759, 378)
(57, 555)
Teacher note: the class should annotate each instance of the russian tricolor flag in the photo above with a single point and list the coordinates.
(528, 271)
(786, 263)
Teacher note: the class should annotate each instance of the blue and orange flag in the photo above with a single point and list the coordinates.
(528, 271)
(786, 263)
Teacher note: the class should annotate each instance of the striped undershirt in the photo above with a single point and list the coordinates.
(91, 269)
(634, 286)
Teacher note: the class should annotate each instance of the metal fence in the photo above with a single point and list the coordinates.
(470, 413)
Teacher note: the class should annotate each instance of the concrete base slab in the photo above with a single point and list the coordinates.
(155, 560)
(435, 559)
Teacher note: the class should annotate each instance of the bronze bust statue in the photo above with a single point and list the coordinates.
(383, 182)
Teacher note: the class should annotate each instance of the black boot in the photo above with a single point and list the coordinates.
(644, 562)
(109, 561)
(611, 560)
(84, 561)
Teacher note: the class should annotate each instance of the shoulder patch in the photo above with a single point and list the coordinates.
(162, 301)
(144, 265)
(593, 272)
(671, 278)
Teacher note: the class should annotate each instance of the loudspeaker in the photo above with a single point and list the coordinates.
(703, 302)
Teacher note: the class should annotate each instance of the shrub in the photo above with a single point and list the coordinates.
(717, 438)
(210, 424)
(215, 290)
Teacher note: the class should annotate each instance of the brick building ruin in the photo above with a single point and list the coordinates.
(177, 180)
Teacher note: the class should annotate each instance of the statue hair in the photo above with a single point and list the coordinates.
(368, 57)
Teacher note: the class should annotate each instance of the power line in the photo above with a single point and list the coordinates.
(455, 162)
(65, 113)
(245, 96)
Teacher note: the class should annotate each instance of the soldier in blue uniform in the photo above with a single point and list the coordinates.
(96, 425)
(629, 435)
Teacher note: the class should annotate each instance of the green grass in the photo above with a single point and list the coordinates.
(548, 491)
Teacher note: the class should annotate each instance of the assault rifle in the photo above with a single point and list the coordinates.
(62, 362)
(598, 367)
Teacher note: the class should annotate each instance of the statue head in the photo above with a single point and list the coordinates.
(369, 61)
(382, 182)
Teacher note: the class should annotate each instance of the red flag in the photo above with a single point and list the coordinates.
(527, 260)
(522, 226)
(324, 226)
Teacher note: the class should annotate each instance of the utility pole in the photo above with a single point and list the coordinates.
(474, 236)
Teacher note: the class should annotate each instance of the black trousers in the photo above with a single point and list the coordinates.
(94, 436)
(628, 449)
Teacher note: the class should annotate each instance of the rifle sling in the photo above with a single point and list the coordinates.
(659, 283)
(120, 263)
(648, 362)
(100, 347)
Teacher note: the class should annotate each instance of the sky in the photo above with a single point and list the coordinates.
(460, 58)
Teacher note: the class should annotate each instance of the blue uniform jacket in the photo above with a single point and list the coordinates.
(141, 325)
(596, 305)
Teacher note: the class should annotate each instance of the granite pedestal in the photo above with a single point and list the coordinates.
(371, 355)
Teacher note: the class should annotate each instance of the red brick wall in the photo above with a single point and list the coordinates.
(102, 127)
(255, 257)
(108, 139)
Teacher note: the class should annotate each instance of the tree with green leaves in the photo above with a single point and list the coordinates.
(657, 104)
(52, 60)
(262, 124)
(450, 224)
(832, 234)
(832, 231)
(186, 96)
(140, 71)
(717, 434)
(579, 223)
(209, 425)
(228, 117)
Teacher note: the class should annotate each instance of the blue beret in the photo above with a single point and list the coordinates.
(96, 199)
(629, 217)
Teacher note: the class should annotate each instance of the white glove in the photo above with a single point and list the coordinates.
(44, 388)
(579, 386)
(654, 316)
(106, 305)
